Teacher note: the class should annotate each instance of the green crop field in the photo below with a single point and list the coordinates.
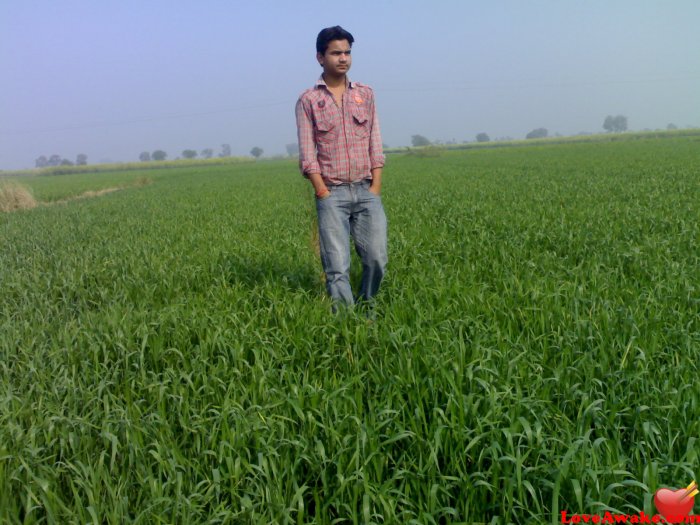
(167, 354)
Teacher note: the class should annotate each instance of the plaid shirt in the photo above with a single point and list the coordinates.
(342, 144)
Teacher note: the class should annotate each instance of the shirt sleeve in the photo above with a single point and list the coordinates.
(308, 161)
(376, 149)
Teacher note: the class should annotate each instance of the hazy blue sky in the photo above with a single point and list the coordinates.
(114, 78)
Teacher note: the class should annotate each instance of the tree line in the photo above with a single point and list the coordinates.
(206, 153)
(611, 124)
(56, 160)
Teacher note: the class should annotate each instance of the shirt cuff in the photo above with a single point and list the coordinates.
(310, 167)
(377, 162)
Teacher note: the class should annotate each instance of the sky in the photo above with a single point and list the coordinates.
(111, 79)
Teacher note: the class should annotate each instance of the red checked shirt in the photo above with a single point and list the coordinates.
(342, 144)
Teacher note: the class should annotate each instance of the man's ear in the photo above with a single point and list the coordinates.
(319, 57)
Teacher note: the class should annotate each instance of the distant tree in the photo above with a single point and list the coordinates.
(419, 140)
(54, 160)
(616, 124)
(41, 162)
(189, 153)
(292, 149)
(256, 152)
(225, 150)
(608, 123)
(483, 137)
(621, 123)
(66, 162)
(145, 157)
(159, 154)
(81, 159)
(207, 153)
(671, 127)
(385, 145)
(538, 133)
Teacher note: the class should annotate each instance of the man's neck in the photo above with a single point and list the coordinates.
(335, 82)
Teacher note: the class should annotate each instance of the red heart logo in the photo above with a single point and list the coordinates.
(673, 503)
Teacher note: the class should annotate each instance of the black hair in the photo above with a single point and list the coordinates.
(331, 33)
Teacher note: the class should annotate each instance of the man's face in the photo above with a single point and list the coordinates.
(337, 60)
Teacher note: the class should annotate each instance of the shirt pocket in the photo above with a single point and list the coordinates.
(360, 122)
(326, 131)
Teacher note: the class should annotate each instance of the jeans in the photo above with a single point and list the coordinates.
(351, 209)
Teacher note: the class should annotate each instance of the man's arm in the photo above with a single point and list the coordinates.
(308, 161)
(376, 152)
(319, 186)
(376, 186)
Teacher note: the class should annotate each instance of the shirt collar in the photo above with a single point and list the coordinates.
(322, 83)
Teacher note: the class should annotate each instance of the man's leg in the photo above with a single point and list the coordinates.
(334, 236)
(369, 231)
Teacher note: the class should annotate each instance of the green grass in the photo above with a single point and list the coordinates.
(168, 355)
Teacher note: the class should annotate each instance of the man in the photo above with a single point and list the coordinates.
(340, 152)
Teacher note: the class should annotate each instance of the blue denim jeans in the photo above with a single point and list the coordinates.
(352, 210)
